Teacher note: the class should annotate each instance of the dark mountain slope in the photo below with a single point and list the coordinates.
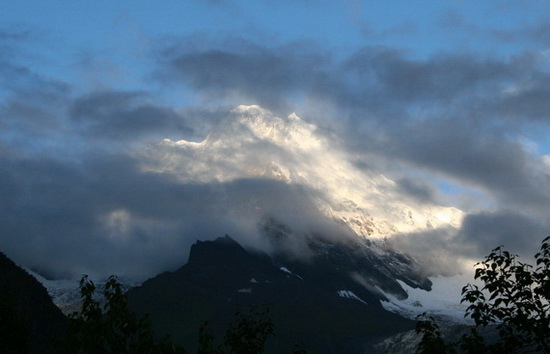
(29, 321)
(372, 264)
(319, 305)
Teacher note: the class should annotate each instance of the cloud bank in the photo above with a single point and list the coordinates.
(81, 191)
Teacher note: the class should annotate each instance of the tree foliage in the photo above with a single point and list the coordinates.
(432, 340)
(111, 328)
(246, 335)
(514, 298)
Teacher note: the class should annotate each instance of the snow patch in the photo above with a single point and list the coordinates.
(350, 295)
(289, 273)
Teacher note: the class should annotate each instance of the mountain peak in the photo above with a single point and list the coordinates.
(292, 131)
(254, 143)
(225, 239)
(220, 252)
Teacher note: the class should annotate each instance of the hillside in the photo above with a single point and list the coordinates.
(30, 322)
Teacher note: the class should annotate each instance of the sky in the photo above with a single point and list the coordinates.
(450, 99)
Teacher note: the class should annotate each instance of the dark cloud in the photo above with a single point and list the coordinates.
(105, 215)
(16, 63)
(439, 79)
(368, 79)
(124, 115)
(513, 230)
(416, 188)
(269, 78)
(502, 167)
(528, 100)
(442, 251)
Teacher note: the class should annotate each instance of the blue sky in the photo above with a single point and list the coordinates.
(450, 97)
(61, 32)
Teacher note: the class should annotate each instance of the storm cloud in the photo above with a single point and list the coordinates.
(124, 115)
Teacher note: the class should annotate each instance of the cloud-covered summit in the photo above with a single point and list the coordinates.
(254, 143)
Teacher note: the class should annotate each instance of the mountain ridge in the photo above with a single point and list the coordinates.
(312, 302)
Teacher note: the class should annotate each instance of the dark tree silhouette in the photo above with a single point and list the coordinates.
(111, 328)
(246, 335)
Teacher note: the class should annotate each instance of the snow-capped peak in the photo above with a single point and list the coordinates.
(254, 143)
(291, 132)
